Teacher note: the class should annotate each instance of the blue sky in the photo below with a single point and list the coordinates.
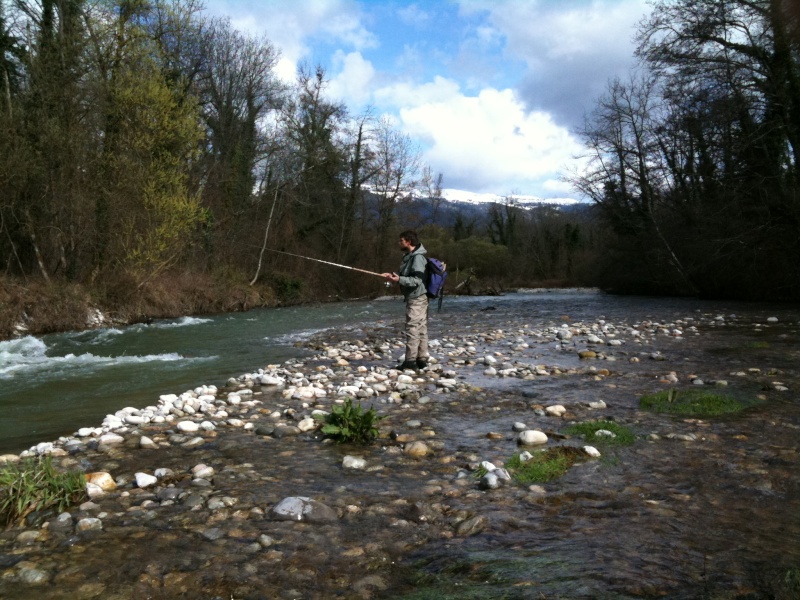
(491, 90)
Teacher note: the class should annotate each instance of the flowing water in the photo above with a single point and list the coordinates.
(53, 385)
(715, 518)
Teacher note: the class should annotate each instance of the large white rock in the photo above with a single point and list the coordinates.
(532, 437)
(592, 451)
(111, 439)
(187, 426)
(556, 410)
(144, 480)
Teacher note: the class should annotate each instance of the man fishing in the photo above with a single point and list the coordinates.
(411, 278)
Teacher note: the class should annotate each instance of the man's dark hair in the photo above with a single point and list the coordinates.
(411, 237)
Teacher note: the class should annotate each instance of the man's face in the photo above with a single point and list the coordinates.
(405, 245)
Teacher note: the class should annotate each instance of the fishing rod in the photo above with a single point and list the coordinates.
(325, 262)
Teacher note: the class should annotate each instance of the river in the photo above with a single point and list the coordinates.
(712, 514)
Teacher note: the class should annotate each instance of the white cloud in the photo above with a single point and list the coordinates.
(414, 15)
(487, 142)
(293, 26)
(353, 81)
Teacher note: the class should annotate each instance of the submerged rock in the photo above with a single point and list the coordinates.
(300, 508)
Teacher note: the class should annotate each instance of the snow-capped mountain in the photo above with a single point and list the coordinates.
(452, 195)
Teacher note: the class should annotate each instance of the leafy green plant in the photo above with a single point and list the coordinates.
(32, 485)
(695, 403)
(545, 465)
(349, 422)
(622, 435)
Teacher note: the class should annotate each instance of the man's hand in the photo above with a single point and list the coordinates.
(393, 277)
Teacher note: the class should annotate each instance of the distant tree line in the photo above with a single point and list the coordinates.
(694, 158)
(140, 139)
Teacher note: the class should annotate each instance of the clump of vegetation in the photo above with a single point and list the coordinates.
(693, 402)
(545, 465)
(350, 423)
(34, 485)
(623, 436)
(758, 345)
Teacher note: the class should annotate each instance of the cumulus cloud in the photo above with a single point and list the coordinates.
(294, 26)
(488, 142)
(353, 83)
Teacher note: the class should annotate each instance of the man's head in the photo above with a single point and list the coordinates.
(409, 240)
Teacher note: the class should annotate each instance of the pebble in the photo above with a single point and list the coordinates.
(354, 462)
(416, 449)
(532, 437)
(144, 480)
(89, 524)
(300, 508)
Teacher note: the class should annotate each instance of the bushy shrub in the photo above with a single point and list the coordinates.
(350, 423)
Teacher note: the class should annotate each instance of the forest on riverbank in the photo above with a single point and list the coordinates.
(150, 156)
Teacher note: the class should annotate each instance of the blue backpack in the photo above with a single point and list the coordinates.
(435, 276)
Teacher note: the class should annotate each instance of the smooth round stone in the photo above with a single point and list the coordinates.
(307, 424)
(490, 481)
(300, 508)
(136, 420)
(592, 451)
(146, 443)
(525, 456)
(144, 480)
(585, 354)
(285, 430)
(27, 538)
(599, 404)
(32, 576)
(518, 426)
(487, 466)
(556, 410)
(89, 524)
(471, 526)
(187, 426)
(416, 449)
(532, 437)
(163, 472)
(353, 462)
(203, 471)
(111, 439)
(102, 480)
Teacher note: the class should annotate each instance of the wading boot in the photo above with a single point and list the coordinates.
(408, 364)
(422, 363)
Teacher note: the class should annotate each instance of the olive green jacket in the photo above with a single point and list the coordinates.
(412, 273)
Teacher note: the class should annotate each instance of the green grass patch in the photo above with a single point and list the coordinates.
(350, 423)
(622, 435)
(34, 485)
(758, 345)
(691, 402)
(545, 465)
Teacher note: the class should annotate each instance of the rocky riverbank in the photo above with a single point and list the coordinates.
(234, 493)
